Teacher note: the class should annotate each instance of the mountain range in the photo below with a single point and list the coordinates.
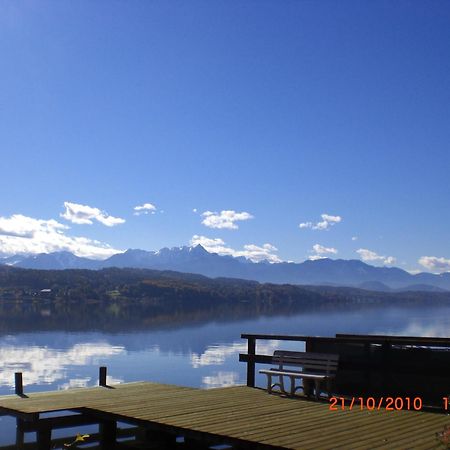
(339, 272)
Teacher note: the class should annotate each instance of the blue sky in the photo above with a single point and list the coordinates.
(330, 114)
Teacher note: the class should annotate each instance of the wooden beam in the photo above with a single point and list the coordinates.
(59, 422)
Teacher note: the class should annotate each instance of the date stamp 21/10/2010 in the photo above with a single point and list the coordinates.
(385, 403)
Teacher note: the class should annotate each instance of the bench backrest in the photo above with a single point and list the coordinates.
(321, 363)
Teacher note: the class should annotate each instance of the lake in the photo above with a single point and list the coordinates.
(199, 354)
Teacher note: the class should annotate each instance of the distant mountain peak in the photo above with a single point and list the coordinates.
(198, 249)
(196, 259)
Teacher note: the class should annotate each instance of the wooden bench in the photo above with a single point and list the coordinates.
(313, 368)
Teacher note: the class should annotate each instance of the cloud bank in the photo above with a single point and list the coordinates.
(225, 219)
(435, 264)
(20, 234)
(369, 255)
(253, 252)
(321, 252)
(85, 215)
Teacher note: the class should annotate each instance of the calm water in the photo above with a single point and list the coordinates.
(202, 355)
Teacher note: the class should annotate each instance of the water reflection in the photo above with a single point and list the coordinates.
(44, 365)
(221, 379)
(416, 328)
(217, 354)
(201, 354)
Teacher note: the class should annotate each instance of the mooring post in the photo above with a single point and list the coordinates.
(251, 351)
(102, 376)
(18, 382)
(108, 434)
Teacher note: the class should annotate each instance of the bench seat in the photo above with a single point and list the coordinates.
(315, 369)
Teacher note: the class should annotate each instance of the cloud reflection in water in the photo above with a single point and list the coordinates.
(43, 365)
(215, 355)
(221, 379)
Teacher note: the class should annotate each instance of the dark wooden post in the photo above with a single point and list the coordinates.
(367, 368)
(193, 444)
(108, 435)
(158, 439)
(44, 438)
(102, 376)
(20, 434)
(18, 381)
(386, 367)
(308, 345)
(251, 350)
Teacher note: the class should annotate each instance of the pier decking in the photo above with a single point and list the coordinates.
(241, 416)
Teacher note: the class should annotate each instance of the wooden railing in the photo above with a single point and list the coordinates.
(251, 358)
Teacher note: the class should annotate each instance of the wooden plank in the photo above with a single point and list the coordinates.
(241, 415)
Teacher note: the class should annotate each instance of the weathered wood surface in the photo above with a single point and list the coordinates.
(241, 415)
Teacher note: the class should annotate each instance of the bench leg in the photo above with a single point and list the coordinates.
(329, 386)
(269, 383)
(307, 387)
(282, 388)
(317, 388)
(292, 386)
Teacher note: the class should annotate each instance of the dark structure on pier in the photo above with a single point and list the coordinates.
(377, 366)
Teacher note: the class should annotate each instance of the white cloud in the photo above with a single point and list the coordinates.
(22, 226)
(194, 210)
(320, 252)
(435, 264)
(146, 208)
(325, 224)
(224, 219)
(250, 251)
(354, 238)
(316, 257)
(84, 215)
(26, 235)
(320, 249)
(389, 260)
(369, 255)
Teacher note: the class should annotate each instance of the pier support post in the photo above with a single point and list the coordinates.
(20, 434)
(251, 351)
(193, 444)
(108, 435)
(158, 439)
(44, 438)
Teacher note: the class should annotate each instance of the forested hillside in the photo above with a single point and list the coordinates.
(114, 297)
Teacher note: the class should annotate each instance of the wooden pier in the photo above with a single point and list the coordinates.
(241, 416)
